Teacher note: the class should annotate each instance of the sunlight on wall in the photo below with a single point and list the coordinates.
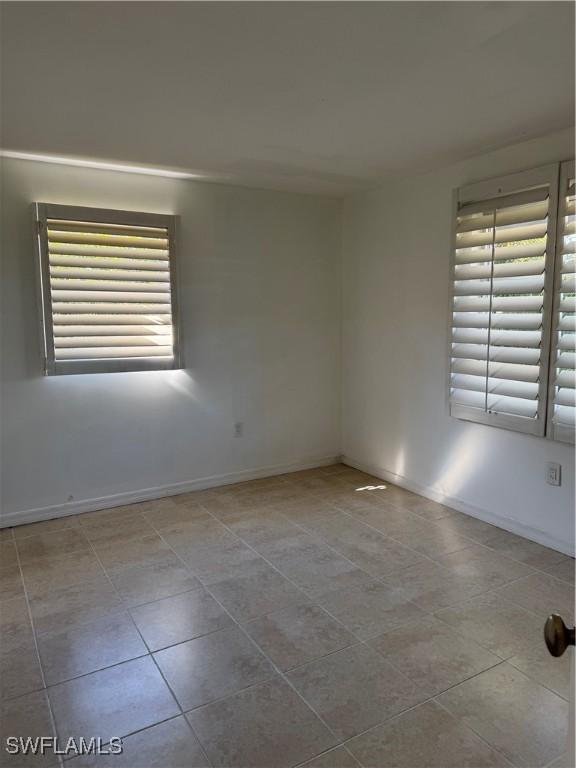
(462, 463)
(183, 382)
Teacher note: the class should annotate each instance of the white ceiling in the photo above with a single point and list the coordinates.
(323, 97)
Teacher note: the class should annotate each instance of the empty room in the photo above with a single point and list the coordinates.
(288, 384)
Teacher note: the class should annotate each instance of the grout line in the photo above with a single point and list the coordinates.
(365, 643)
(308, 600)
(38, 658)
(493, 747)
(278, 671)
(150, 654)
(461, 514)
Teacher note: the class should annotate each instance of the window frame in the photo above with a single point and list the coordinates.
(43, 211)
(485, 191)
(558, 432)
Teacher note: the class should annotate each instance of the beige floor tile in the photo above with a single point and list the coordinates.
(347, 499)
(371, 551)
(275, 494)
(113, 702)
(15, 626)
(489, 567)
(162, 576)
(471, 527)
(175, 619)
(523, 550)
(498, 625)
(434, 542)
(428, 509)
(370, 609)
(203, 530)
(190, 499)
(334, 524)
(175, 517)
(111, 530)
(432, 655)
(164, 504)
(256, 590)
(306, 514)
(313, 566)
(267, 726)
(138, 549)
(46, 574)
(425, 737)
(212, 666)
(390, 495)
(312, 481)
(431, 586)
(20, 670)
(71, 606)
(216, 559)
(297, 635)
(44, 545)
(8, 556)
(46, 526)
(393, 521)
(377, 558)
(335, 758)
(10, 584)
(354, 689)
(89, 647)
(551, 672)
(563, 761)
(542, 594)
(564, 570)
(170, 744)
(515, 715)
(262, 527)
(222, 506)
(26, 716)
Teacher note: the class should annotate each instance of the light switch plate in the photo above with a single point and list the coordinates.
(553, 473)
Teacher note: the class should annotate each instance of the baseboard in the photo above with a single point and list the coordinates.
(146, 494)
(512, 526)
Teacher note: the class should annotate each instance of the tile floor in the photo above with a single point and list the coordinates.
(318, 619)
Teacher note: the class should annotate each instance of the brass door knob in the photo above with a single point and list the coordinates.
(557, 635)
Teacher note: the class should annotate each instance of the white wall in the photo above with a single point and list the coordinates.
(396, 250)
(260, 285)
(259, 293)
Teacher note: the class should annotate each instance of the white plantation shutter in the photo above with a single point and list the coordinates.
(502, 276)
(562, 411)
(108, 290)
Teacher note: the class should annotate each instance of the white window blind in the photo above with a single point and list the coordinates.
(502, 280)
(562, 373)
(108, 290)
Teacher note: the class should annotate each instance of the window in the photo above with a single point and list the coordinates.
(504, 291)
(108, 292)
(562, 375)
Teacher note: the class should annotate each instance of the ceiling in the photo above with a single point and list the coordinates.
(312, 96)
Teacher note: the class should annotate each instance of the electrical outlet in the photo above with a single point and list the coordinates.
(553, 473)
(239, 429)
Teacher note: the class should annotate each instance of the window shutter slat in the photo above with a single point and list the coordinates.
(484, 253)
(103, 353)
(496, 370)
(110, 284)
(93, 249)
(102, 307)
(502, 267)
(563, 372)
